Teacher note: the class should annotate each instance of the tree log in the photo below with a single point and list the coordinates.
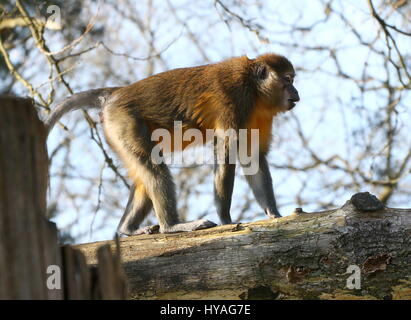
(301, 256)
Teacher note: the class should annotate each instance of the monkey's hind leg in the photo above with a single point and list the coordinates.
(160, 188)
(131, 139)
(138, 207)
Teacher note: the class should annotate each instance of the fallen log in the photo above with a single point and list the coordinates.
(301, 256)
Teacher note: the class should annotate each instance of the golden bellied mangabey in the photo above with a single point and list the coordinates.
(237, 93)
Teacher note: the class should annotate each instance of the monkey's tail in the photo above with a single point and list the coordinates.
(89, 99)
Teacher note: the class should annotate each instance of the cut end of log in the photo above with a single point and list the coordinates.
(365, 201)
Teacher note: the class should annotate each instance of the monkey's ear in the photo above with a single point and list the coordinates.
(261, 71)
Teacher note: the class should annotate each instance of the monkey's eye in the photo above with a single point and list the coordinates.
(288, 78)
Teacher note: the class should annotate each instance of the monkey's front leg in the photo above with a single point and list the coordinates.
(262, 186)
(224, 174)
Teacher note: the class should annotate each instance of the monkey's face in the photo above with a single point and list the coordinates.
(290, 93)
(275, 85)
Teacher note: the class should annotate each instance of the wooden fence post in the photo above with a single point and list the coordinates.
(24, 247)
(28, 241)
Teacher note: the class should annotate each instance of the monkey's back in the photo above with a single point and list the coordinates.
(197, 96)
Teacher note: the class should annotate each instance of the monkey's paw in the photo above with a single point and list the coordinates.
(189, 226)
(147, 230)
(203, 224)
(273, 213)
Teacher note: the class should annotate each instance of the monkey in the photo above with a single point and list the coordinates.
(236, 93)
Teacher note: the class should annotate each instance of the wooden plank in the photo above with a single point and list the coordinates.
(23, 186)
(76, 274)
(52, 257)
(111, 277)
(28, 242)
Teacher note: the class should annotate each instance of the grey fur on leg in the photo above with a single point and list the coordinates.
(224, 174)
(262, 186)
(138, 207)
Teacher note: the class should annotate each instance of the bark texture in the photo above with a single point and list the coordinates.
(302, 256)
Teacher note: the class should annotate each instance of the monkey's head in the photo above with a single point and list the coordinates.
(274, 76)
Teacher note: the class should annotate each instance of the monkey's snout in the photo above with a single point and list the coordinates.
(292, 103)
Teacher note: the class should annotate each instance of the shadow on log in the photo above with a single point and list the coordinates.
(302, 256)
